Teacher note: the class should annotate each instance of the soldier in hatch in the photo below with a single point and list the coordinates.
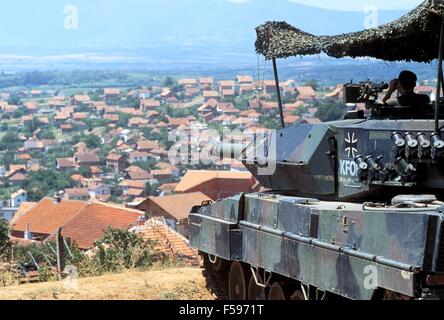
(405, 85)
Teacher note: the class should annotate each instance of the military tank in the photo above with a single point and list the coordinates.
(355, 206)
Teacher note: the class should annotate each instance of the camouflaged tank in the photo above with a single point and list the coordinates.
(354, 209)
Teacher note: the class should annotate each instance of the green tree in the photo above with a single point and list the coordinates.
(5, 243)
(47, 134)
(168, 82)
(123, 120)
(44, 183)
(120, 250)
(9, 141)
(330, 112)
(92, 141)
(312, 83)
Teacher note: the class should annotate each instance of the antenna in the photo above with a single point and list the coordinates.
(278, 91)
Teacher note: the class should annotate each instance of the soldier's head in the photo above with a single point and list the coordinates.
(406, 81)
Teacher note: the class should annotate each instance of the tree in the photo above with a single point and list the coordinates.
(9, 141)
(47, 134)
(33, 125)
(312, 83)
(121, 250)
(45, 183)
(168, 82)
(123, 120)
(330, 112)
(5, 243)
(92, 141)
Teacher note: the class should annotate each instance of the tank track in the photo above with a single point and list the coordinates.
(216, 282)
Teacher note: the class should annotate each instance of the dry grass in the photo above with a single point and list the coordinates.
(168, 284)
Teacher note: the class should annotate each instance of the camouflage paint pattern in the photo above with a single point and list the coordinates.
(328, 245)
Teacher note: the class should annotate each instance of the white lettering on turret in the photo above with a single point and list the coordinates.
(348, 168)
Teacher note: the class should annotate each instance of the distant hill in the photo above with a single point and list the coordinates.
(187, 25)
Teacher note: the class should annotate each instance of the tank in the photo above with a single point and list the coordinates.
(355, 206)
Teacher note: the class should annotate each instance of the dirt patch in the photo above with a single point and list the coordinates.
(169, 284)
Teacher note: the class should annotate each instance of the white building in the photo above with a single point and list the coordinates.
(17, 198)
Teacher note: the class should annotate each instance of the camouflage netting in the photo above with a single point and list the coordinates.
(413, 37)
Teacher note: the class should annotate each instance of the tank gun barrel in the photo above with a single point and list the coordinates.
(228, 150)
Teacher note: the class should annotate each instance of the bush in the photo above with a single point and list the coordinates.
(5, 244)
(120, 250)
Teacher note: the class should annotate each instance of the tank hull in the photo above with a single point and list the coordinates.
(343, 249)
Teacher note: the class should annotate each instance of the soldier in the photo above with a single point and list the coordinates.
(405, 85)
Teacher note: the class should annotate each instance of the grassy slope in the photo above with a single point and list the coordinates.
(168, 284)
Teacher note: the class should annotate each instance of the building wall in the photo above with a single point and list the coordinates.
(152, 209)
(221, 189)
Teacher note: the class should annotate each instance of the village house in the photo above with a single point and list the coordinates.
(66, 163)
(226, 85)
(167, 189)
(217, 184)
(167, 240)
(137, 174)
(291, 119)
(66, 128)
(18, 198)
(206, 83)
(138, 156)
(427, 90)
(149, 104)
(116, 161)
(99, 191)
(111, 94)
(17, 178)
(81, 100)
(147, 145)
(306, 94)
(175, 209)
(187, 82)
(81, 222)
(132, 189)
(87, 160)
(34, 144)
(269, 86)
(209, 95)
(337, 93)
(32, 107)
(162, 175)
(81, 194)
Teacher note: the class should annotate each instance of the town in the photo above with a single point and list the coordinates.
(78, 164)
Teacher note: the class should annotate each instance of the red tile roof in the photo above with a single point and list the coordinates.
(82, 222)
(167, 240)
(90, 223)
(46, 217)
(176, 206)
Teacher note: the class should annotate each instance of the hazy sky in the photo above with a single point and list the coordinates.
(355, 5)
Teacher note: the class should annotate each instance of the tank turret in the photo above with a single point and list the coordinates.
(355, 208)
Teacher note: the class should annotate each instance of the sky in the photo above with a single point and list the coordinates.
(354, 5)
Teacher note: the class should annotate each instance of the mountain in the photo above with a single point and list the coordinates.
(160, 29)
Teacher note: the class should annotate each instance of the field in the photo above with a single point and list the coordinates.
(168, 284)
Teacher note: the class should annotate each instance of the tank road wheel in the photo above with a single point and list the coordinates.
(276, 292)
(237, 283)
(218, 264)
(256, 292)
(297, 295)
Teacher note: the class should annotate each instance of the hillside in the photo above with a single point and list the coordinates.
(169, 284)
(154, 33)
